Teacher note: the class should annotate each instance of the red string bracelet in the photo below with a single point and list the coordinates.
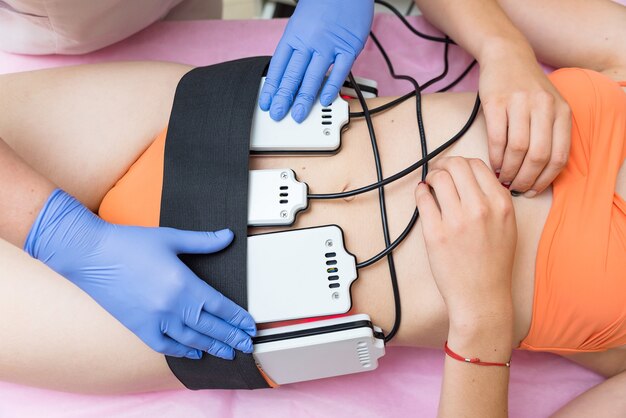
(473, 360)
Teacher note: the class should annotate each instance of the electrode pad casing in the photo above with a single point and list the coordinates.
(301, 273)
(319, 132)
(275, 197)
(315, 351)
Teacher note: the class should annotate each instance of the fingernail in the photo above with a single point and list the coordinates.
(530, 193)
(224, 233)
(264, 101)
(327, 100)
(250, 330)
(422, 182)
(245, 346)
(497, 174)
(506, 185)
(276, 112)
(229, 355)
(298, 113)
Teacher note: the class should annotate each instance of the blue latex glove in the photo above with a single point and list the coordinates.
(135, 274)
(320, 33)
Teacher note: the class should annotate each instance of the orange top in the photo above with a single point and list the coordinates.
(580, 272)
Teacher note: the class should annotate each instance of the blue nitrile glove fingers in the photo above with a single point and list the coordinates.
(282, 100)
(320, 33)
(135, 274)
(275, 72)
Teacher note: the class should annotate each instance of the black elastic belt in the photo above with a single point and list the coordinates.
(205, 188)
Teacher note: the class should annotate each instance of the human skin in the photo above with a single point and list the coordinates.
(95, 141)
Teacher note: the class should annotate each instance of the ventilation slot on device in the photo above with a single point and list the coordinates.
(364, 354)
(327, 116)
(331, 262)
(283, 194)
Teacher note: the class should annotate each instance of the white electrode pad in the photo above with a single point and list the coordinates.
(319, 132)
(301, 273)
(275, 197)
(315, 350)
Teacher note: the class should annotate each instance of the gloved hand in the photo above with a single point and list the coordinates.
(135, 274)
(320, 33)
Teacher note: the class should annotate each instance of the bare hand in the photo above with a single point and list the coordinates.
(528, 122)
(470, 236)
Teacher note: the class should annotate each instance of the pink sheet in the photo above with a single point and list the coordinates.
(408, 380)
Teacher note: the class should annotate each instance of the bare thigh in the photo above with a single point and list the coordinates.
(55, 336)
(82, 127)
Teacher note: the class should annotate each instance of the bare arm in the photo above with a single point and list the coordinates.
(589, 33)
(23, 193)
(476, 25)
(528, 122)
(477, 391)
(470, 235)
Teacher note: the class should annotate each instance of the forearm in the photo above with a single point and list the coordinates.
(479, 26)
(23, 193)
(589, 34)
(572, 33)
(471, 390)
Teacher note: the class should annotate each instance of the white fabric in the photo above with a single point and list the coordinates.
(75, 26)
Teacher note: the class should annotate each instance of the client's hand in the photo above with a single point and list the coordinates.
(319, 34)
(528, 122)
(470, 235)
(135, 274)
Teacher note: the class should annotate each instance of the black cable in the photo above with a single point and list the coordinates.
(410, 27)
(407, 96)
(413, 220)
(383, 211)
(384, 107)
(418, 96)
(393, 245)
(388, 251)
(410, 9)
(389, 247)
(459, 78)
(407, 170)
(444, 73)
(402, 99)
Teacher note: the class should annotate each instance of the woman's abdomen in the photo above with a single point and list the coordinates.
(136, 200)
(424, 318)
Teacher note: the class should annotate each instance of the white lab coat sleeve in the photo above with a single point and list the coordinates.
(74, 26)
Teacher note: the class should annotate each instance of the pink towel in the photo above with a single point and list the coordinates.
(408, 381)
